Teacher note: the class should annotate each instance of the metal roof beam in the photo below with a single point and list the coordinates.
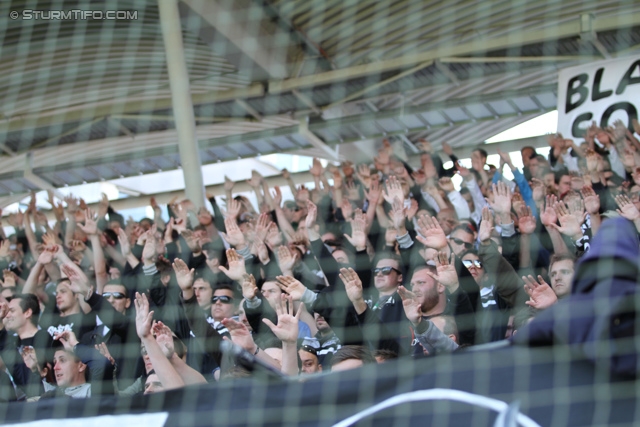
(303, 130)
(90, 111)
(482, 44)
(246, 25)
(378, 85)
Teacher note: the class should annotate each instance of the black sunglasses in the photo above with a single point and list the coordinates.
(385, 271)
(222, 298)
(460, 242)
(468, 263)
(116, 295)
(309, 349)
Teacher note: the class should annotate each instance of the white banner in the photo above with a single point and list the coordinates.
(602, 91)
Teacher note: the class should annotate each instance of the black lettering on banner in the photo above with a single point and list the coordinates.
(627, 79)
(576, 131)
(595, 93)
(580, 89)
(632, 114)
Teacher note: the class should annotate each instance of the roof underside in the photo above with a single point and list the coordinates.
(89, 100)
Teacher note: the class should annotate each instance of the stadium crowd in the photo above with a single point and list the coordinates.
(377, 261)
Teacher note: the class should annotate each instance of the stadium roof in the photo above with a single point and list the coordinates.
(86, 100)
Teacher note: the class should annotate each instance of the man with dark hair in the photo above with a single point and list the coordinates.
(80, 371)
(351, 357)
(20, 316)
(384, 355)
(309, 361)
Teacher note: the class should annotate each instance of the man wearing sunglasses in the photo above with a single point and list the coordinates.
(461, 239)
(116, 329)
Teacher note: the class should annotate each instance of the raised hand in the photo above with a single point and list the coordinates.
(144, 317)
(569, 224)
(526, 220)
(393, 190)
(274, 237)
(90, 226)
(358, 236)
(591, 200)
(184, 276)
(104, 350)
(347, 209)
(312, 215)
(233, 209)
(236, 268)
(446, 273)
(164, 338)
(363, 173)
(233, 236)
(67, 339)
(192, 241)
(286, 260)
(353, 286)
(256, 179)
(125, 246)
(9, 278)
(431, 234)
(627, 209)
(79, 282)
(204, 217)
(501, 199)
(228, 184)
(541, 295)
(548, 215)
(411, 305)
(576, 208)
(538, 190)
(486, 225)
(47, 255)
(262, 226)
(292, 286)
(374, 193)
(240, 335)
(446, 184)
(277, 196)
(249, 288)
(150, 250)
(316, 168)
(287, 328)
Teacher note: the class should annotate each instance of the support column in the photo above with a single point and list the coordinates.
(181, 101)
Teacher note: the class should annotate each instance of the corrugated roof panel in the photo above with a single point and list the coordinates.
(456, 114)
(262, 146)
(549, 100)
(433, 118)
(411, 121)
(501, 107)
(525, 103)
(301, 140)
(478, 111)
(241, 149)
(166, 162)
(223, 154)
(69, 178)
(282, 142)
(390, 125)
(368, 128)
(86, 174)
(125, 169)
(105, 172)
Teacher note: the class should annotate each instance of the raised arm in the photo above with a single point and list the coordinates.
(287, 331)
(167, 374)
(90, 228)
